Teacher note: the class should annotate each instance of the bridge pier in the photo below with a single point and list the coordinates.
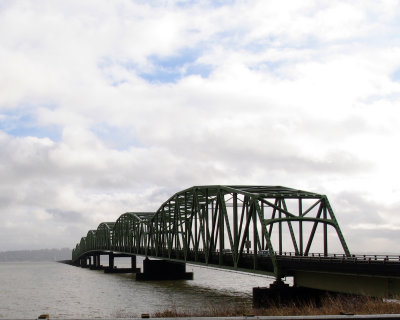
(133, 262)
(96, 263)
(113, 269)
(86, 262)
(163, 270)
(111, 260)
(280, 293)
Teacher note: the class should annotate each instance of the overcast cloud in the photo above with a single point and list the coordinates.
(113, 106)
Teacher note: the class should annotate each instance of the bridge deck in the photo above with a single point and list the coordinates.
(385, 266)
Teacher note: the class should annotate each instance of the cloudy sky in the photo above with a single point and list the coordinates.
(113, 106)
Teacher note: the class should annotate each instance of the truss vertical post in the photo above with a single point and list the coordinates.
(235, 224)
(301, 226)
(280, 227)
(175, 229)
(262, 227)
(207, 217)
(195, 214)
(247, 228)
(186, 240)
(255, 234)
(325, 231)
(221, 226)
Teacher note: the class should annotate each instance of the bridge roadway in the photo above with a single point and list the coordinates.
(373, 275)
(248, 228)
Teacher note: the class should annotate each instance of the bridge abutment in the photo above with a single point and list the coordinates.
(280, 293)
(163, 270)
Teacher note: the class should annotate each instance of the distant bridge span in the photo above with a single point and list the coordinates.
(263, 229)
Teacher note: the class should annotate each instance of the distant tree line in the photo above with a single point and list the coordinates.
(36, 255)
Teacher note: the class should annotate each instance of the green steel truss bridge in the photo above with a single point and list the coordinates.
(260, 229)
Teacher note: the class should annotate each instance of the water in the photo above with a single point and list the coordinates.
(29, 289)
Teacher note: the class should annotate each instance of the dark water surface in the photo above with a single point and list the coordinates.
(28, 289)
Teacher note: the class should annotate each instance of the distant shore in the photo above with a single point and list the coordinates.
(35, 255)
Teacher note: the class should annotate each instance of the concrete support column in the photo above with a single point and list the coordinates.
(96, 262)
(282, 294)
(111, 260)
(84, 262)
(114, 269)
(164, 270)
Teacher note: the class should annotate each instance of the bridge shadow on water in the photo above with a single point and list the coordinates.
(211, 288)
(225, 282)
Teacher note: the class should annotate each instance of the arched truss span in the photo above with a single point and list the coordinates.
(91, 240)
(81, 247)
(225, 225)
(104, 235)
(130, 231)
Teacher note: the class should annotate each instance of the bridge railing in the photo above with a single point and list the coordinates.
(341, 256)
(353, 257)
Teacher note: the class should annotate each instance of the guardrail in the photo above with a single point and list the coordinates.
(369, 258)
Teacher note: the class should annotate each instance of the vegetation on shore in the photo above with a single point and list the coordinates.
(329, 305)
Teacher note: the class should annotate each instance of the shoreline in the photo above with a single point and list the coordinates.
(328, 306)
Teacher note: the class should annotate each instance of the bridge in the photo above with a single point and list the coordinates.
(271, 230)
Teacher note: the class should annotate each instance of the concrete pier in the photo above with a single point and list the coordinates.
(96, 263)
(111, 260)
(122, 270)
(152, 269)
(163, 270)
(86, 262)
(113, 269)
(279, 293)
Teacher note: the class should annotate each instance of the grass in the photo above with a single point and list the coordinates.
(330, 305)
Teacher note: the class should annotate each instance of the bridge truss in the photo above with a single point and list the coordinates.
(240, 227)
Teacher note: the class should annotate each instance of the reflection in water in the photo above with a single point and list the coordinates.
(29, 289)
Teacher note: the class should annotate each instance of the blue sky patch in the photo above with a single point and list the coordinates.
(173, 68)
(395, 76)
(24, 125)
(185, 56)
(200, 69)
(162, 76)
(212, 4)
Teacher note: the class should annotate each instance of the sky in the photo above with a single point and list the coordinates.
(114, 106)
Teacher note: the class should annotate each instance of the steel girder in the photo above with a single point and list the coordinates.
(210, 224)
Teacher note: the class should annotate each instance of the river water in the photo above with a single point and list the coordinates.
(28, 289)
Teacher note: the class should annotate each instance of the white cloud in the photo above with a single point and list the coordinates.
(297, 94)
